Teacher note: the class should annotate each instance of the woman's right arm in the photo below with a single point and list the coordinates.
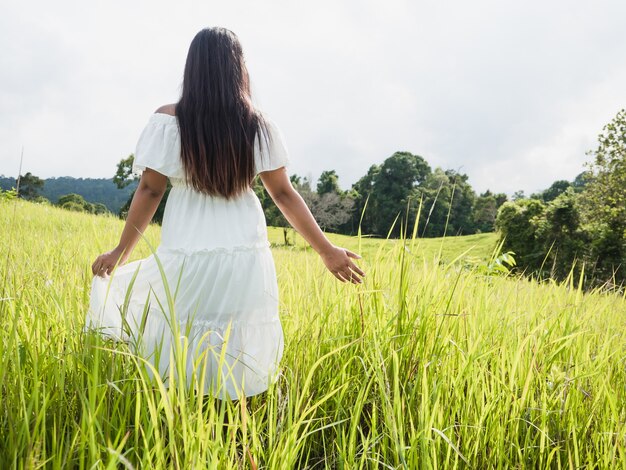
(295, 210)
(148, 195)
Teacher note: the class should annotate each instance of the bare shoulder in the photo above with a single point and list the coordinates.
(167, 109)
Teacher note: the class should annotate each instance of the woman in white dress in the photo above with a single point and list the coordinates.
(211, 282)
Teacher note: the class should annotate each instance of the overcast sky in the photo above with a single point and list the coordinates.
(511, 93)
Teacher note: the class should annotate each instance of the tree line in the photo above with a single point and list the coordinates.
(391, 198)
(92, 190)
(384, 202)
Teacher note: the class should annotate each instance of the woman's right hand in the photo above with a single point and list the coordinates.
(105, 263)
(338, 262)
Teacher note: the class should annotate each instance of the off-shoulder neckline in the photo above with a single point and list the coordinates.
(164, 114)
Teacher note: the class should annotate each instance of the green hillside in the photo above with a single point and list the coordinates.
(94, 190)
(474, 248)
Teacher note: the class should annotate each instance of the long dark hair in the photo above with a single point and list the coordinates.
(217, 120)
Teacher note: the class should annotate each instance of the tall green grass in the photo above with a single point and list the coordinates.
(428, 364)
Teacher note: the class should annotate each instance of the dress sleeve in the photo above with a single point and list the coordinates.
(270, 151)
(158, 147)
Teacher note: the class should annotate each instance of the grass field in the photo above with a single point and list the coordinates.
(429, 364)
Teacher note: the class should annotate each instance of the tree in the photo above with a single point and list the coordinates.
(557, 188)
(447, 204)
(518, 222)
(331, 210)
(29, 186)
(547, 239)
(273, 216)
(604, 200)
(580, 182)
(328, 183)
(394, 192)
(435, 193)
(585, 224)
(462, 202)
(519, 194)
(563, 240)
(77, 203)
(362, 213)
(605, 191)
(486, 209)
(501, 198)
(124, 176)
(484, 214)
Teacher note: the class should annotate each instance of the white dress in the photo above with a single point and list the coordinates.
(220, 273)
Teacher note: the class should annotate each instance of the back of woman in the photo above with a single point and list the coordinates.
(211, 283)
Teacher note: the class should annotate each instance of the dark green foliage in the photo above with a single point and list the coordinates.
(124, 174)
(604, 200)
(100, 190)
(328, 183)
(557, 188)
(501, 198)
(94, 190)
(448, 203)
(435, 195)
(75, 202)
(581, 180)
(362, 212)
(273, 216)
(395, 192)
(124, 178)
(29, 186)
(518, 223)
(462, 204)
(608, 253)
(158, 214)
(517, 195)
(561, 236)
(484, 213)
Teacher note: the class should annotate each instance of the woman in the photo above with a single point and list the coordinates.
(211, 282)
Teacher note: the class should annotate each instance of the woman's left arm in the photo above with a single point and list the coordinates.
(148, 195)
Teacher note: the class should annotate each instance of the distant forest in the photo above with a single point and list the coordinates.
(570, 229)
(386, 201)
(94, 190)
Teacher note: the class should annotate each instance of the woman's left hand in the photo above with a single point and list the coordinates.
(338, 262)
(104, 264)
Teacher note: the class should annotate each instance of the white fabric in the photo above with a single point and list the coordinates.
(215, 256)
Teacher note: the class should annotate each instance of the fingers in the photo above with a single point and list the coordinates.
(102, 271)
(339, 264)
(354, 278)
(95, 267)
(347, 275)
(101, 268)
(356, 269)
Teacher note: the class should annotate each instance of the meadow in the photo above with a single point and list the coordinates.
(435, 361)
